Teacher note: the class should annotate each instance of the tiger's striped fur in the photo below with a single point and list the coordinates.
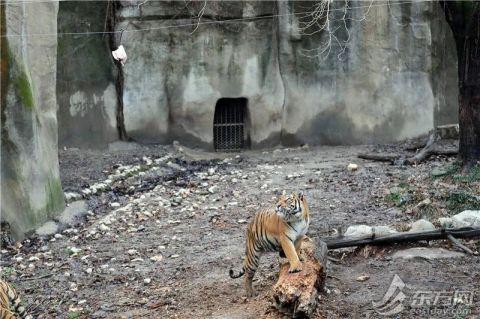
(10, 304)
(281, 229)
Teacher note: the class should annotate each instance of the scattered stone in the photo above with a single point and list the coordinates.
(352, 167)
(363, 278)
(134, 260)
(174, 256)
(115, 205)
(146, 281)
(104, 227)
(147, 161)
(73, 250)
(72, 196)
(156, 258)
(242, 221)
(212, 189)
(132, 252)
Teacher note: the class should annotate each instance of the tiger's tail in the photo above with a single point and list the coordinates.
(11, 298)
(234, 276)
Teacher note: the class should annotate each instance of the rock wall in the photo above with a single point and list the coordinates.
(86, 91)
(31, 191)
(395, 79)
(378, 87)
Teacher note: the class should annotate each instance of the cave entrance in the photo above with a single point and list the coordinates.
(229, 124)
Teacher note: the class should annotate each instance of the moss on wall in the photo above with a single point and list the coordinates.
(24, 88)
(54, 194)
(18, 74)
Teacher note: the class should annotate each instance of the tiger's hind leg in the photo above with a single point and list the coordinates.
(249, 284)
(250, 265)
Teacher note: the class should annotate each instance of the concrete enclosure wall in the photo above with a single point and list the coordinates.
(394, 78)
(31, 191)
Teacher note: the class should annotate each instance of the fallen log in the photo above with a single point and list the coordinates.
(425, 152)
(433, 146)
(381, 157)
(466, 232)
(296, 294)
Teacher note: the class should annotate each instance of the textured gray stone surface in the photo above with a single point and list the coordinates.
(86, 92)
(30, 184)
(396, 78)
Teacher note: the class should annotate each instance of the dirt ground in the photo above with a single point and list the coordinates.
(159, 244)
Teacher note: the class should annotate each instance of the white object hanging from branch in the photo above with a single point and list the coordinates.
(120, 55)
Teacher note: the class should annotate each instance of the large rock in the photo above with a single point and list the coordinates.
(467, 218)
(365, 231)
(30, 185)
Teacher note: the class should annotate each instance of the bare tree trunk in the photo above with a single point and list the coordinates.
(464, 19)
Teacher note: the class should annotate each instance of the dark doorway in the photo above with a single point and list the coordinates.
(229, 129)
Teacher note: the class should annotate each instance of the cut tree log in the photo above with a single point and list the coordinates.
(466, 232)
(449, 131)
(296, 294)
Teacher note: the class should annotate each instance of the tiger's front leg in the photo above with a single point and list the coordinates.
(298, 246)
(289, 249)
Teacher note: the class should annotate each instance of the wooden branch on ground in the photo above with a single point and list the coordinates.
(466, 232)
(381, 157)
(432, 147)
(297, 293)
(458, 244)
(424, 152)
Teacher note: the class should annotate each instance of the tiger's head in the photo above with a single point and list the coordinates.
(292, 207)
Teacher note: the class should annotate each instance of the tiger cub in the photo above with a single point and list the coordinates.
(280, 229)
(10, 307)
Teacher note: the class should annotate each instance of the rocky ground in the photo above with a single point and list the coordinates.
(163, 225)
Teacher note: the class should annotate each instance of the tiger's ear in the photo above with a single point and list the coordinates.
(301, 196)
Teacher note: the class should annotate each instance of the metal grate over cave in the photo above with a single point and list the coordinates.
(229, 124)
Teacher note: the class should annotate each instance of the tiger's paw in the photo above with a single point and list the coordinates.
(294, 269)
